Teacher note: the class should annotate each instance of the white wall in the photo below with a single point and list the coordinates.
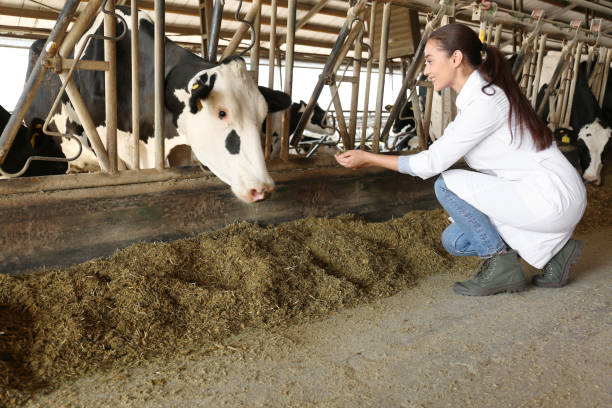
(13, 65)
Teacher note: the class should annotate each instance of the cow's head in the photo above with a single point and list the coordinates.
(405, 121)
(221, 120)
(319, 122)
(595, 137)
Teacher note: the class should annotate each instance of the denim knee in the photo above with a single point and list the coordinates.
(455, 242)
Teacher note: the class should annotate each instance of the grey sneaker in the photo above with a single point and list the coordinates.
(556, 271)
(500, 273)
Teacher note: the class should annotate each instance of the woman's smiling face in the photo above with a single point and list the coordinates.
(439, 67)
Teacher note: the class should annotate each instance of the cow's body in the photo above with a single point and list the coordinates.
(216, 109)
(31, 141)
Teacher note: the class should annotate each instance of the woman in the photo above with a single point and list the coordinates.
(524, 198)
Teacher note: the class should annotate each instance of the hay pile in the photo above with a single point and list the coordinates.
(164, 299)
(161, 300)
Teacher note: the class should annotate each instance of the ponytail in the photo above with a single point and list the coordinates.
(496, 70)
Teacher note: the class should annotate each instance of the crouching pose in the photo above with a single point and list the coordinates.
(524, 198)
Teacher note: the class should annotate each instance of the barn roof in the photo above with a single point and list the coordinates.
(33, 19)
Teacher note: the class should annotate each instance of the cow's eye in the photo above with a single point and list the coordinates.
(222, 114)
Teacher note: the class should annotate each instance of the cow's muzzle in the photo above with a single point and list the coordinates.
(259, 194)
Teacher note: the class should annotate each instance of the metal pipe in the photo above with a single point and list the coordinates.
(256, 46)
(411, 72)
(272, 52)
(348, 43)
(418, 117)
(427, 116)
(548, 28)
(203, 27)
(568, 75)
(366, 99)
(79, 26)
(339, 115)
(237, 37)
(382, 64)
(498, 32)
(36, 77)
(556, 74)
(110, 86)
(604, 82)
(135, 88)
(90, 128)
(159, 52)
(291, 16)
(568, 110)
(355, 87)
(327, 69)
(531, 70)
(215, 27)
(538, 73)
(271, 64)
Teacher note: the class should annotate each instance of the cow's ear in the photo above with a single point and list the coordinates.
(277, 100)
(200, 90)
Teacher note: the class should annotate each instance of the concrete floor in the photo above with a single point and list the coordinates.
(424, 347)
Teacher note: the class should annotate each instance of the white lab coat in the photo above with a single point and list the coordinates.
(535, 199)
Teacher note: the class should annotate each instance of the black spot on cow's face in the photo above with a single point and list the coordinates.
(583, 154)
(232, 142)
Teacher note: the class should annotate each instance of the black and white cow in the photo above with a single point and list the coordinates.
(590, 124)
(216, 109)
(31, 141)
(318, 124)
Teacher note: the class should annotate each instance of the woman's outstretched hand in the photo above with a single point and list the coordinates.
(353, 159)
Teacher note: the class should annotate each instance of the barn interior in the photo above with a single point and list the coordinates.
(158, 287)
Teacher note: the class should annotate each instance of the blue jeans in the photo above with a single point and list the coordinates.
(471, 233)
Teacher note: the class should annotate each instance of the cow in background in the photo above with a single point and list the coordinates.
(317, 126)
(31, 141)
(590, 126)
(216, 109)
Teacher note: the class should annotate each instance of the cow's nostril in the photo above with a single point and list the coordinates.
(261, 194)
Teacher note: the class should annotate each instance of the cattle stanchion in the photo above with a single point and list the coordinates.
(256, 47)
(271, 65)
(332, 60)
(525, 52)
(110, 84)
(570, 101)
(215, 26)
(160, 55)
(206, 8)
(427, 115)
(366, 99)
(559, 69)
(411, 72)
(135, 88)
(247, 23)
(288, 88)
(355, 88)
(538, 72)
(604, 82)
(382, 66)
(33, 82)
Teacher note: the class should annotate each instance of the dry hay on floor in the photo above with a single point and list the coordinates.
(164, 299)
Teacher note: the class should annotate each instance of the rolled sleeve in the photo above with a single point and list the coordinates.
(403, 165)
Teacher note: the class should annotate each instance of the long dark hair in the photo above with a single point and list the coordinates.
(496, 70)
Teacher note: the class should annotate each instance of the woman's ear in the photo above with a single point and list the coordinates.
(457, 58)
